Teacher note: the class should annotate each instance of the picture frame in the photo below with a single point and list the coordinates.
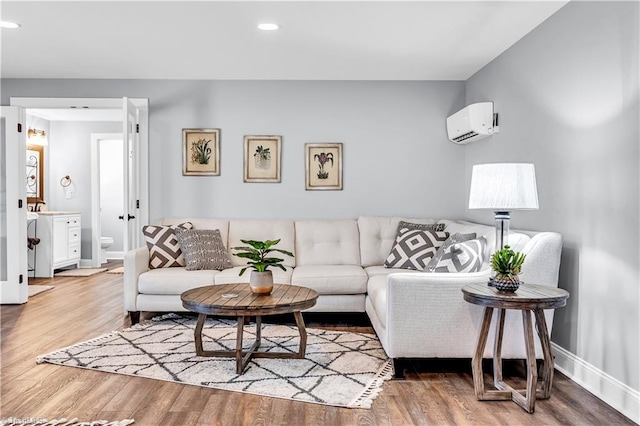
(323, 166)
(262, 157)
(201, 152)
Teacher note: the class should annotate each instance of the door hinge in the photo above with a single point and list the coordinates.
(137, 128)
(19, 127)
(20, 279)
(137, 204)
(20, 203)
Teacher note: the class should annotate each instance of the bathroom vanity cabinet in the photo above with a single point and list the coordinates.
(59, 234)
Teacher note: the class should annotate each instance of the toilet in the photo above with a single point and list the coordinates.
(105, 243)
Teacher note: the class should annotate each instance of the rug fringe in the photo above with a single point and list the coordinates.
(365, 399)
(40, 358)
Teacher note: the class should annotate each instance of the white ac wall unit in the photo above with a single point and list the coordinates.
(472, 123)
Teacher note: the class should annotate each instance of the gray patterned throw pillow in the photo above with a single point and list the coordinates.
(203, 249)
(466, 256)
(454, 239)
(414, 248)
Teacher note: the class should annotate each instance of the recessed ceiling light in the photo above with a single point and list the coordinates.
(7, 24)
(268, 26)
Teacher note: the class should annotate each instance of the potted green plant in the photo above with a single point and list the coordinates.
(508, 265)
(257, 252)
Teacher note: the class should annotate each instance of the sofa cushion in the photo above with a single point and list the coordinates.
(377, 236)
(164, 248)
(382, 270)
(262, 230)
(231, 276)
(203, 249)
(173, 280)
(465, 256)
(331, 279)
(414, 248)
(327, 242)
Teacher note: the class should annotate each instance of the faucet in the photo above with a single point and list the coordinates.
(36, 208)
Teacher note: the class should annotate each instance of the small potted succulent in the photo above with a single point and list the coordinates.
(261, 279)
(508, 265)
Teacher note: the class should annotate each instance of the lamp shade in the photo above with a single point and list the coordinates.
(503, 187)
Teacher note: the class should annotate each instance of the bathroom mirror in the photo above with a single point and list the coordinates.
(35, 174)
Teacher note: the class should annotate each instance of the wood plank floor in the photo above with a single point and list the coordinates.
(79, 308)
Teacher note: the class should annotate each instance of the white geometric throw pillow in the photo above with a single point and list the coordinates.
(454, 239)
(414, 248)
(467, 256)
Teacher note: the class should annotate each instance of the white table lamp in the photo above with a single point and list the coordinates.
(503, 188)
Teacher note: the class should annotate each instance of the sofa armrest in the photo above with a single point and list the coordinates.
(428, 317)
(136, 262)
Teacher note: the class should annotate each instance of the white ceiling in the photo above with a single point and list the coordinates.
(318, 40)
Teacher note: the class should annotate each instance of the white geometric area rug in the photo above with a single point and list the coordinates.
(340, 368)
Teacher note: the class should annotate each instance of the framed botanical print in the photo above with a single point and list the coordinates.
(323, 166)
(201, 152)
(262, 158)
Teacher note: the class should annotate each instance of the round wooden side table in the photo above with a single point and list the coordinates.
(529, 298)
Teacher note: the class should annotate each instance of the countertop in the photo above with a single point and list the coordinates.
(55, 213)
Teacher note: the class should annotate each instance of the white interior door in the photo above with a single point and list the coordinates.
(13, 206)
(130, 179)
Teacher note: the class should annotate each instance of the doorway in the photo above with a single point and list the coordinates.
(107, 196)
(136, 172)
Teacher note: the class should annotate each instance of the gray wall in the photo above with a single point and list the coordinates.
(397, 159)
(567, 95)
(111, 193)
(69, 153)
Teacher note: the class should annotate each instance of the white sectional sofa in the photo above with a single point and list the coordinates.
(415, 314)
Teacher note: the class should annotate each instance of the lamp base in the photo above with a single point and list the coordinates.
(502, 229)
(502, 234)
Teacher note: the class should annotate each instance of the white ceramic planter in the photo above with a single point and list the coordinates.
(261, 282)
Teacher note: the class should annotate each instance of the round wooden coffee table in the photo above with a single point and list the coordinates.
(238, 300)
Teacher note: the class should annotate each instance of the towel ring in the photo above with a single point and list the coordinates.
(65, 181)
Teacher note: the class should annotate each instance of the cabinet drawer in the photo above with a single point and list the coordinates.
(73, 221)
(74, 251)
(74, 235)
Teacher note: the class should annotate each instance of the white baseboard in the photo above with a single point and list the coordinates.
(115, 255)
(86, 263)
(609, 389)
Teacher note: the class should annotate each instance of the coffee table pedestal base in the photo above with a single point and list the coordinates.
(243, 357)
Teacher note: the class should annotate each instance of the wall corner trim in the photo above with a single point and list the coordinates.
(612, 391)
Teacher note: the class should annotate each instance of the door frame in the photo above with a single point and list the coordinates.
(142, 105)
(96, 223)
(14, 289)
